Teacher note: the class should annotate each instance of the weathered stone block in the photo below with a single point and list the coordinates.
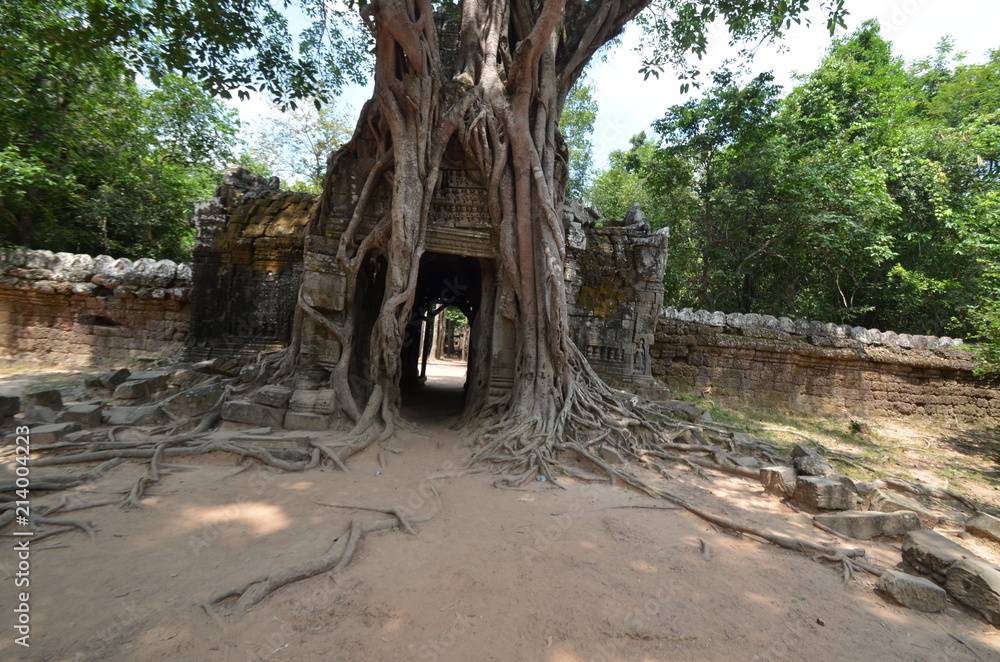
(684, 410)
(326, 401)
(745, 461)
(823, 493)
(159, 377)
(50, 398)
(194, 401)
(272, 396)
(887, 501)
(49, 434)
(88, 416)
(144, 415)
(865, 525)
(778, 480)
(80, 436)
(976, 584)
(299, 420)
(251, 413)
(9, 405)
(932, 554)
(984, 525)
(39, 415)
(303, 400)
(135, 389)
(809, 463)
(912, 592)
(114, 378)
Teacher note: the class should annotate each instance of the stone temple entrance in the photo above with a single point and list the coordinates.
(444, 281)
(257, 254)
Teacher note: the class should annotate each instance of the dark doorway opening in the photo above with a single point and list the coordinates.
(369, 293)
(449, 292)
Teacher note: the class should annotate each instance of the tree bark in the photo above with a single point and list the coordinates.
(500, 100)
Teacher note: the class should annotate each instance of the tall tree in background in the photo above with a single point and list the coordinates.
(867, 196)
(577, 126)
(295, 144)
(89, 160)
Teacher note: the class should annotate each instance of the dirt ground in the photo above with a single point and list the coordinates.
(586, 572)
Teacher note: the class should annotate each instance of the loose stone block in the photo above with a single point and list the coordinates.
(823, 493)
(194, 401)
(49, 434)
(976, 584)
(984, 525)
(88, 416)
(865, 525)
(303, 400)
(809, 463)
(81, 436)
(299, 420)
(9, 405)
(686, 409)
(134, 389)
(50, 398)
(113, 379)
(145, 415)
(887, 501)
(161, 378)
(251, 413)
(39, 415)
(778, 480)
(912, 592)
(272, 396)
(932, 554)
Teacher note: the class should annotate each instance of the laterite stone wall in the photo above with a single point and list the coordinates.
(784, 364)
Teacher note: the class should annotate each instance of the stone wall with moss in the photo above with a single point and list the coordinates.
(614, 291)
(81, 310)
(785, 364)
(247, 266)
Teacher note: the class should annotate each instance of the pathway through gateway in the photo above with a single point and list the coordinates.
(439, 398)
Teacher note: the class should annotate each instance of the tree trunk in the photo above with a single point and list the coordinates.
(497, 97)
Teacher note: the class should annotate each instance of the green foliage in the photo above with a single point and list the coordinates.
(577, 125)
(869, 195)
(227, 45)
(92, 162)
(295, 144)
(675, 30)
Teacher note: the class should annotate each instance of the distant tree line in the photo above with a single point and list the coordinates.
(869, 195)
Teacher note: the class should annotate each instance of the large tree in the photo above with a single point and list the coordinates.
(498, 93)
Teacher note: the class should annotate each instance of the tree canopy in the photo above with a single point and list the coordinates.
(867, 195)
(92, 161)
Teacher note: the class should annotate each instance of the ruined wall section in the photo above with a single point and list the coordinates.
(801, 365)
(82, 310)
(614, 288)
(247, 266)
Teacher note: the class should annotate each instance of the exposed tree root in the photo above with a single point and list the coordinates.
(239, 600)
(86, 527)
(817, 551)
(55, 483)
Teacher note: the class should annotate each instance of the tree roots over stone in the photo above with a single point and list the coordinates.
(599, 435)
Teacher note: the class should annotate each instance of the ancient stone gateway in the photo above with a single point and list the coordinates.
(258, 249)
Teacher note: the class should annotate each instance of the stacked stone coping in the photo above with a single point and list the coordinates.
(79, 274)
(753, 321)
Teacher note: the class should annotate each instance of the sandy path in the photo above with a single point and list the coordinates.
(548, 574)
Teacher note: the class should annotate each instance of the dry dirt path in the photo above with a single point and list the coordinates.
(538, 574)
